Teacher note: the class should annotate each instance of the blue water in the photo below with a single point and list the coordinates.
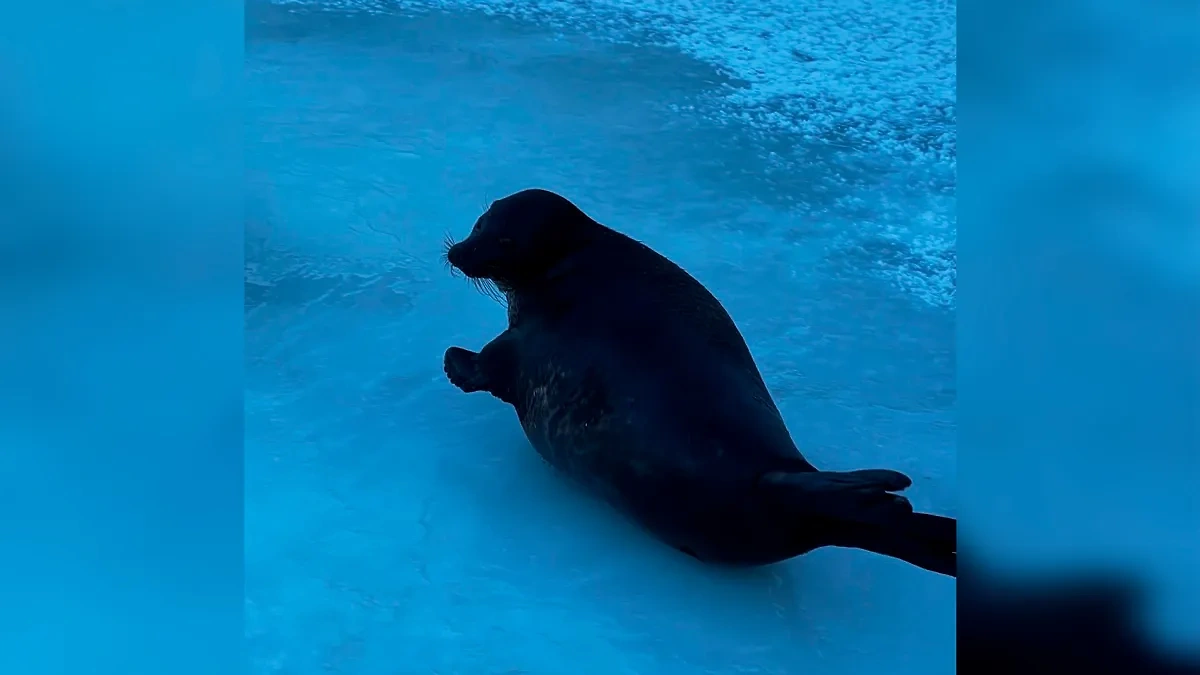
(798, 159)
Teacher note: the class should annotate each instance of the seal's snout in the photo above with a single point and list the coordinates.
(454, 255)
(468, 257)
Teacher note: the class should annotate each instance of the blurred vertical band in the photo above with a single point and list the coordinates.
(1079, 336)
(120, 372)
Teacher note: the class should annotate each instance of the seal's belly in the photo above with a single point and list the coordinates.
(573, 426)
(646, 469)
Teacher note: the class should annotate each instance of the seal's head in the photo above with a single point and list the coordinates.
(521, 238)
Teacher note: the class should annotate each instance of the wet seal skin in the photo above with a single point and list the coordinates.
(631, 379)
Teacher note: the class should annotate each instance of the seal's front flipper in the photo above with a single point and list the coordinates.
(492, 370)
(462, 368)
(856, 509)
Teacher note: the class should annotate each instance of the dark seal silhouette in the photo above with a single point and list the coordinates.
(629, 377)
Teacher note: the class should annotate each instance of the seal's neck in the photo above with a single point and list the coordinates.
(580, 249)
(562, 268)
(588, 252)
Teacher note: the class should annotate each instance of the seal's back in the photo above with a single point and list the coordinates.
(660, 344)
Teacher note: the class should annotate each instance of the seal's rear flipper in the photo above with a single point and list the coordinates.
(851, 496)
(856, 509)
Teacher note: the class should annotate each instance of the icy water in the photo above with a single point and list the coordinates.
(798, 159)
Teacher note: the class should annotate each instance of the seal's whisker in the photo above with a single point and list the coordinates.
(489, 289)
(493, 292)
(447, 242)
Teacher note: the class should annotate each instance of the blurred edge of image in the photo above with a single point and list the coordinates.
(1078, 325)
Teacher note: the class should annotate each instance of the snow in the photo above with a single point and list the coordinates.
(395, 525)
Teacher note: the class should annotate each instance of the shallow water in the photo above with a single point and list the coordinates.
(394, 525)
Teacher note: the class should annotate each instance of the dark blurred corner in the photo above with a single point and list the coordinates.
(1079, 335)
(1074, 621)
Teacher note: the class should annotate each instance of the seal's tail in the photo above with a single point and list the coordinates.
(856, 509)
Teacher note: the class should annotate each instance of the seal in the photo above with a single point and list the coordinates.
(629, 377)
